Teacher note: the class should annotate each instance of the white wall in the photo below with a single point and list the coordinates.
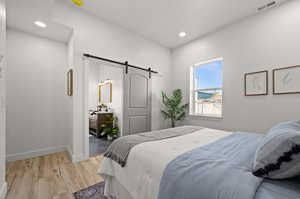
(99, 71)
(36, 96)
(95, 36)
(70, 104)
(3, 186)
(94, 80)
(262, 42)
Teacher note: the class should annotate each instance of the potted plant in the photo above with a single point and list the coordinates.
(173, 109)
(111, 131)
(103, 107)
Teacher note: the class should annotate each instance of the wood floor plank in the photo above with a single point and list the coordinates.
(50, 177)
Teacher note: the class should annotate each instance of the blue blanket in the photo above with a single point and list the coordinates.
(220, 170)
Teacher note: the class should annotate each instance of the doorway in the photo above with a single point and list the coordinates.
(105, 105)
(118, 101)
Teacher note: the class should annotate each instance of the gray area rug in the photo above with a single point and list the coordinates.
(98, 145)
(93, 192)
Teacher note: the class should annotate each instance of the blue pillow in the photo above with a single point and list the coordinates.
(278, 156)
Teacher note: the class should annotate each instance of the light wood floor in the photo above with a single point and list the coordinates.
(50, 177)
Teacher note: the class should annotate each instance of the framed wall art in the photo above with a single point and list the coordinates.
(70, 82)
(256, 83)
(286, 80)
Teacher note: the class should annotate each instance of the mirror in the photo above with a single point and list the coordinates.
(105, 92)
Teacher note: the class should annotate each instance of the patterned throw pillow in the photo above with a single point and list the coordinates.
(278, 156)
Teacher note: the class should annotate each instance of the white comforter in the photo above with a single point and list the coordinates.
(146, 162)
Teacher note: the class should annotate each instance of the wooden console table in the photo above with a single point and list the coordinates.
(98, 119)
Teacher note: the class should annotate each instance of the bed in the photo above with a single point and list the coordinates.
(207, 162)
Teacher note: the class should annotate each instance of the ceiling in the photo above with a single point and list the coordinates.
(21, 15)
(162, 20)
(157, 20)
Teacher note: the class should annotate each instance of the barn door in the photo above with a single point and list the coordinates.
(137, 101)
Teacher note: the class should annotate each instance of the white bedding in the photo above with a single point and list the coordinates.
(146, 162)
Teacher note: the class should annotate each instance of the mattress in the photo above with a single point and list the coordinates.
(141, 176)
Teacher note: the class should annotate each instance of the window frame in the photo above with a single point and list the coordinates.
(193, 90)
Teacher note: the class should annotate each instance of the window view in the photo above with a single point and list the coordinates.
(207, 89)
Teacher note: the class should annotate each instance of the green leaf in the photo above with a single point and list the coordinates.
(181, 116)
(165, 115)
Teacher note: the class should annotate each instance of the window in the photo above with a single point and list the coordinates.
(207, 88)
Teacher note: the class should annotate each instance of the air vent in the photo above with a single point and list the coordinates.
(266, 6)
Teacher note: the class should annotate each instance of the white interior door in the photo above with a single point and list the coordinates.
(137, 102)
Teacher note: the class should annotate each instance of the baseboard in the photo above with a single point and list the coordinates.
(3, 191)
(36, 153)
(77, 158)
(70, 153)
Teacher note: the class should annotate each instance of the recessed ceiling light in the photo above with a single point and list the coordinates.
(40, 24)
(182, 34)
